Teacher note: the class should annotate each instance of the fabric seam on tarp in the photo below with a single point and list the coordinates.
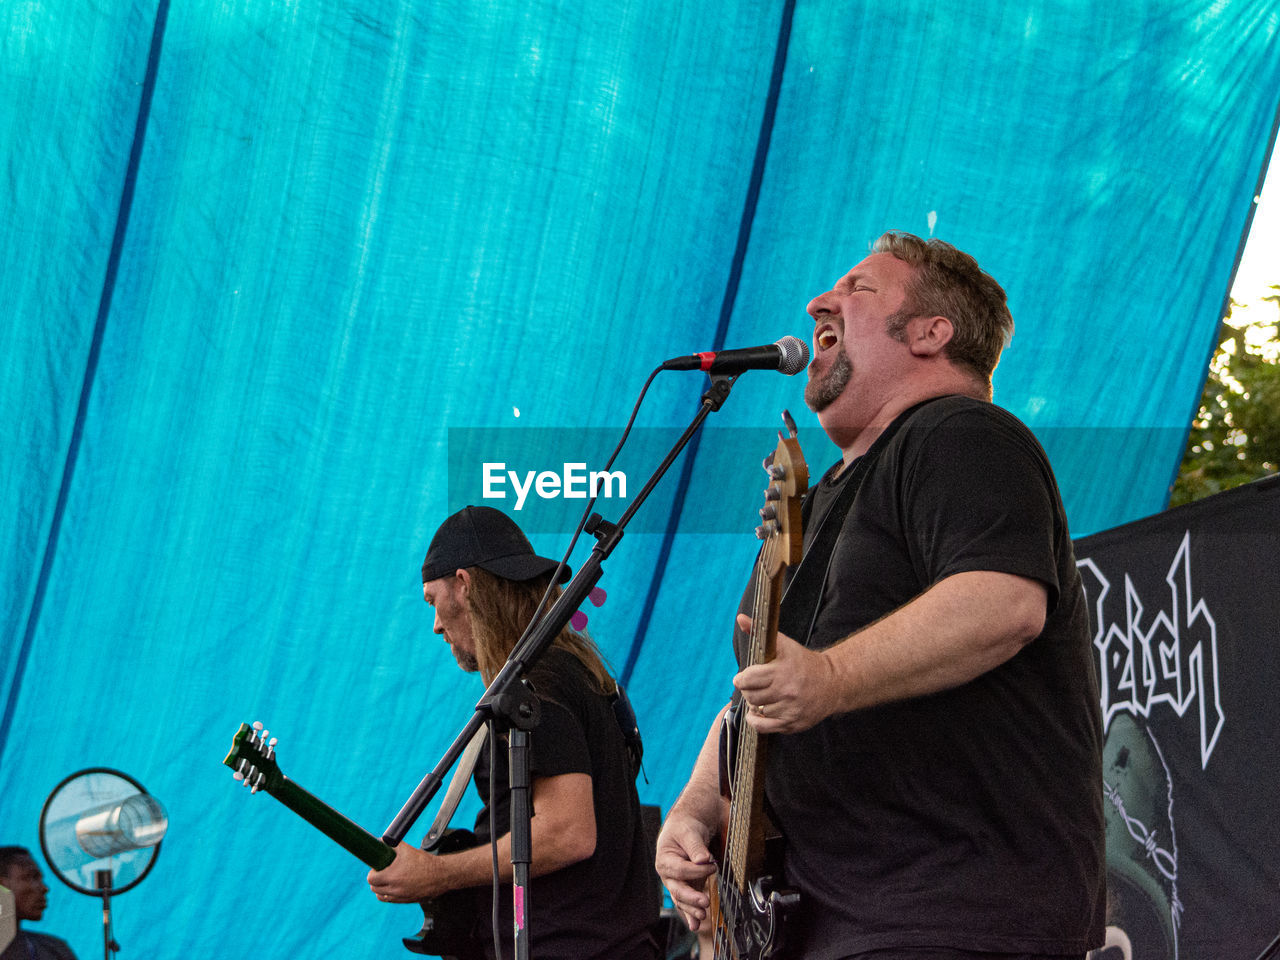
(91, 367)
(722, 328)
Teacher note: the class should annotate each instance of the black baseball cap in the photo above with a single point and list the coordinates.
(486, 538)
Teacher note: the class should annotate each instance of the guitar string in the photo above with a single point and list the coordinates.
(748, 740)
(743, 762)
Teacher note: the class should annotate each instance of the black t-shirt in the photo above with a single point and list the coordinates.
(603, 906)
(972, 817)
(29, 945)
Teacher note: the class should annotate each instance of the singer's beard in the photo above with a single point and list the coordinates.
(822, 392)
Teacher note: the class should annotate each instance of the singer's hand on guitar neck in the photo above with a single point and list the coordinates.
(790, 693)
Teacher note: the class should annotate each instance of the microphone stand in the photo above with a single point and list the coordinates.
(510, 703)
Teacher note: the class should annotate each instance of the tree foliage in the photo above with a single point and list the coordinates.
(1235, 437)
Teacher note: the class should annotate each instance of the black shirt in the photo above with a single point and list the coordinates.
(601, 907)
(972, 817)
(29, 945)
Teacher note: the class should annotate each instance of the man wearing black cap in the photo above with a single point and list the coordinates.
(592, 893)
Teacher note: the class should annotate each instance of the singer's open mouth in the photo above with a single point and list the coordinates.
(826, 338)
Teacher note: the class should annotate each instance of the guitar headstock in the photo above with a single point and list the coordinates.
(780, 526)
(253, 758)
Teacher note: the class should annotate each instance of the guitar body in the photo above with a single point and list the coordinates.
(752, 916)
(753, 922)
(448, 920)
(750, 902)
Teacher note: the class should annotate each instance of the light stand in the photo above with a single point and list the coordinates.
(102, 881)
(100, 832)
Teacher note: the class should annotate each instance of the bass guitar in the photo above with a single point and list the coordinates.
(750, 904)
(447, 920)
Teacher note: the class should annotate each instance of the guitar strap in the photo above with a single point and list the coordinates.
(457, 787)
(623, 714)
(798, 611)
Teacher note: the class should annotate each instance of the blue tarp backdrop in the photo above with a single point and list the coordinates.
(267, 264)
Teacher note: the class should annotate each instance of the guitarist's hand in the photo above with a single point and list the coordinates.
(683, 863)
(412, 876)
(791, 692)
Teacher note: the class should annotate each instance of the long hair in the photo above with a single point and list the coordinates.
(500, 611)
(949, 283)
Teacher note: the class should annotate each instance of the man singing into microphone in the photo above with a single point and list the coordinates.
(935, 759)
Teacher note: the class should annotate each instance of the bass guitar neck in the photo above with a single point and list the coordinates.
(751, 905)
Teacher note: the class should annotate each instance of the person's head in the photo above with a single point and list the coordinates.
(484, 581)
(21, 874)
(914, 317)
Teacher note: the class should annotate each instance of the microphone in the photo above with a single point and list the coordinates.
(789, 355)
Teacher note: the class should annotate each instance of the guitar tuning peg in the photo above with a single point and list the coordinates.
(777, 471)
(597, 596)
(790, 423)
(768, 513)
(237, 776)
(760, 532)
(271, 747)
(772, 494)
(767, 462)
(578, 621)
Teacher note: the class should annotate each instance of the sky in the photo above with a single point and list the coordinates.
(1260, 263)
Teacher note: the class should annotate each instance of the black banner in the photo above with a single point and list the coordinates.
(1185, 608)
